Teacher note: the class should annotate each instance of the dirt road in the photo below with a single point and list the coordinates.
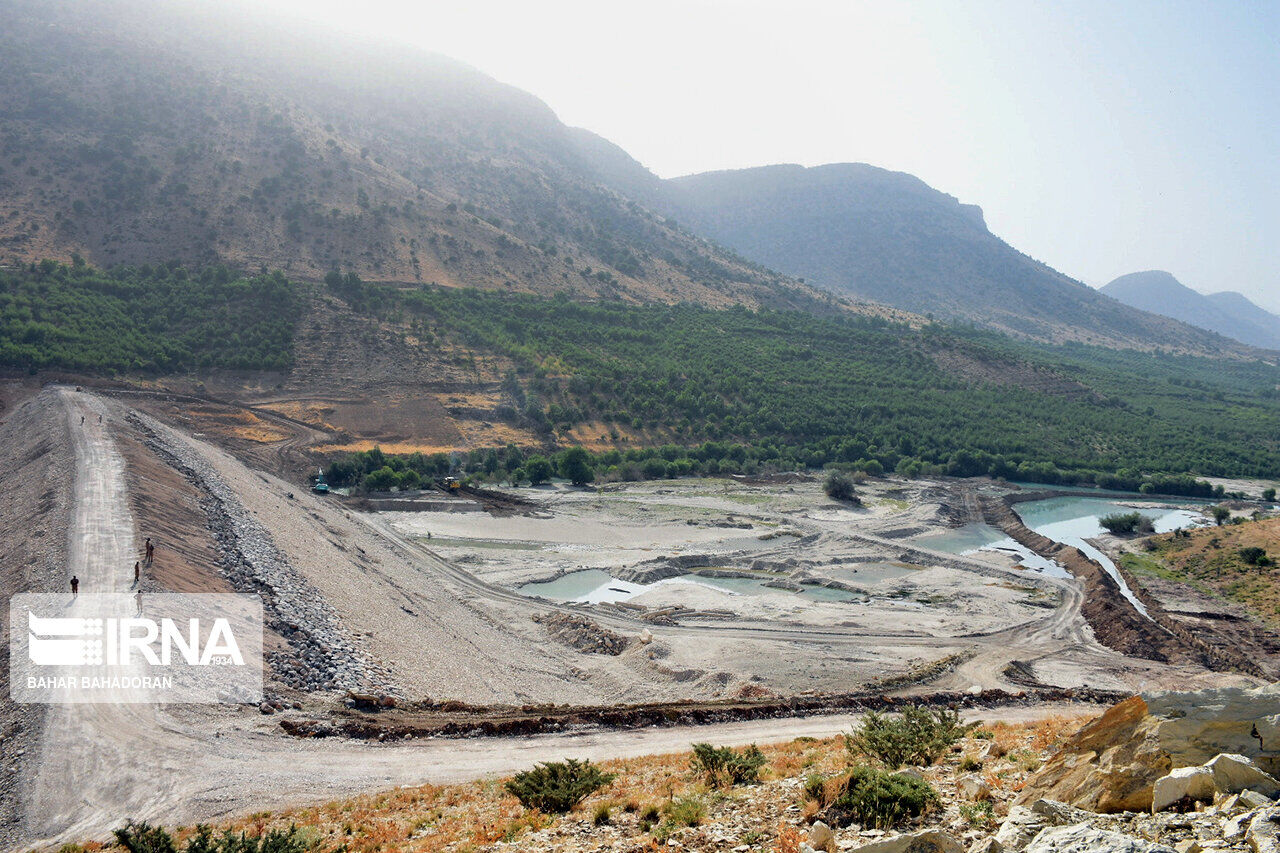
(102, 763)
(89, 755)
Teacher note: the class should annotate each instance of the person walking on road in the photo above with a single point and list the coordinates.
(75, 586)
(151, 551)
(138, 599)
(137, 573)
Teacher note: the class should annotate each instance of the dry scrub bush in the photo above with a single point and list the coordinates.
(724, 765)
(556, 787)
(917, 736)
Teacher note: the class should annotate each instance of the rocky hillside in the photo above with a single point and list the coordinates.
(1227, 313)
(888, 237)
(141, 132)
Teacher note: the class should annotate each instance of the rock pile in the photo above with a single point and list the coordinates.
(321, 655)
(581, 633)
(1113, 763)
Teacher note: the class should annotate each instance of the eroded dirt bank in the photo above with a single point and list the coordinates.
(36, 484)
(367, 722)
(1116, 623)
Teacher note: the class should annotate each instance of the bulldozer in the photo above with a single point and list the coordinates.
(320, 487)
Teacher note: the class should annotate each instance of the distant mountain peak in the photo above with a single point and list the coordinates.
(889, 237)
(1228, 313)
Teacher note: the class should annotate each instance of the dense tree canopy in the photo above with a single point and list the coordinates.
(144, 319)
(865, 392)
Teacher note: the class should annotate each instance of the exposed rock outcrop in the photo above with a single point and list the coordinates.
(1194, 727)
(1082, 837)
(1110, 765)
(1225, 741)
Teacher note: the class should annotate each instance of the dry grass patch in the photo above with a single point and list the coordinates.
(1210, 559)
(651, 799)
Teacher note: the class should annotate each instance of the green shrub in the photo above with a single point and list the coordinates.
(687, 811)
(556, 787)
(876, 798)
(1127, 522)
(603, 815)
(839, 486)
(723, 765)
(916, 736)
(144, 838)
(814, 784)
(969, 764)
(1254, 556)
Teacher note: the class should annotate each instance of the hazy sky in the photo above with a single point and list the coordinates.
(1099, 137)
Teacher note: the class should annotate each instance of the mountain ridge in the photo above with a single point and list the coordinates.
(1228, 313)
(134, 141)
(870, 233)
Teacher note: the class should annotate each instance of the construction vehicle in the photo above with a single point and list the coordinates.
(320, 487)
(452, 484)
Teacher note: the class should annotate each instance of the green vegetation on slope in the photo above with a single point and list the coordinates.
(804, 390)
(1235, 562)
(152, 319)
(721, 391)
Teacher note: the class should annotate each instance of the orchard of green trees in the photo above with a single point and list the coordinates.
(146, 319)
(682, 389)
(786, 390)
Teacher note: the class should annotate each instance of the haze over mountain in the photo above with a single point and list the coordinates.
(1227, 313)
(141, 132)
(889, 237)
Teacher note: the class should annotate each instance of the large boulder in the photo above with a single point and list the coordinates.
(1183, 785)
(1233, 774)
(1082, 838)
(1110, 765)
(927, 841)
(1196, 726)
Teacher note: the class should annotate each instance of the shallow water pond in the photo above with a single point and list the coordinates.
(595, 586)
(1069, 520)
